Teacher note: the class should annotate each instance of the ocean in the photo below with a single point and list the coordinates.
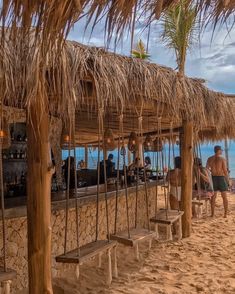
(206, 151)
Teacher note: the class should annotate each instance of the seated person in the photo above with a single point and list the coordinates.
(174, 178)
(134, 165)
(81, 164)
(203, 186)
(147, 163)
(110, 168)
(202, 179)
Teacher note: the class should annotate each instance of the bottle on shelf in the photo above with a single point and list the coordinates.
(22, 178)
(17, 154)
(12, 134)
(4, 155)
(11, 155)
(21, 154)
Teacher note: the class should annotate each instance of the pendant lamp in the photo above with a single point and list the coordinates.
(157, 145)
(133, 142)
(109, 142)
(66, 141)
(148, 143)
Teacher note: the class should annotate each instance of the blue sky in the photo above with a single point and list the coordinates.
(213, 60)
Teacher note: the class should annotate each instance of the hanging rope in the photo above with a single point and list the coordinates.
(157, 163)
(75, 193)
(67, 191)
(2, 205)
(100, 117)
(125, 175)
(118, 171)
(105, 177)
(140, 120)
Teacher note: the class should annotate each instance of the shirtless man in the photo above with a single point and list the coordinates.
(219, 171)
(174, 177)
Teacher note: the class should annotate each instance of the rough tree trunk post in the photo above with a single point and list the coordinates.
(186, 180)
(39, 200)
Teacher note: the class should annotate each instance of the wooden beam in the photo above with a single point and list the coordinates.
(186, 177)
(39, 199)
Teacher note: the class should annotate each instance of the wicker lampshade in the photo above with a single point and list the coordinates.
(133, 142)
(5, 134)
(157, 145)
(109, 142)
(66, 141)
(148, 143)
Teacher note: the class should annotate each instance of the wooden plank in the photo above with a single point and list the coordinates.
(136, 236)
(197, 202)
(171, 217)
(8, 275)
(186, 178)
(86, 252)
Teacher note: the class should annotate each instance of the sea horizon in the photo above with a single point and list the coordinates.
(206, 150)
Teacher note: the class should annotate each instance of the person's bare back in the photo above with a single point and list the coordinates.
(217, 165)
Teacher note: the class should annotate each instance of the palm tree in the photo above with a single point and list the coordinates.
(180, 29)
(139, 51)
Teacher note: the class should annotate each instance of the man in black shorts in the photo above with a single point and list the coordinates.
(220, 177)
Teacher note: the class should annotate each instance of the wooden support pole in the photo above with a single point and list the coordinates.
(86, 156)
(39, 198)
(186, 177)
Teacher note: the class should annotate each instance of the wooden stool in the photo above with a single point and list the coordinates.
(6, 278)
(137, 236)
(94, 249)
(167, 219)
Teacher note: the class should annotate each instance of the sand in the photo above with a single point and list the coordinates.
(203, 263)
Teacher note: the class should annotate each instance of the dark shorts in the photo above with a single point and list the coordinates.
(219, 183)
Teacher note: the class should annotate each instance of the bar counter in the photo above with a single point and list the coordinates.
(16, 206)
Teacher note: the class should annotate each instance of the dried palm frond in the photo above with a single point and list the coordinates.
(116, 80)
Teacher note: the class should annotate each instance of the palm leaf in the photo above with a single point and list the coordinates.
(139, 51)
(180, 28)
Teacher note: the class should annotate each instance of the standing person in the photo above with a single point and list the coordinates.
(174, 177)
(220, 177)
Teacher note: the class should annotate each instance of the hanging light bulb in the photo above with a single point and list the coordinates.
(133, 142)
(148, 143)
(109, 142)
(5, 134)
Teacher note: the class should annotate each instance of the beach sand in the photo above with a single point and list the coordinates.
(203, 263)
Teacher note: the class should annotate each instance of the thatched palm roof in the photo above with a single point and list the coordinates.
(55, 18)
(87, 78)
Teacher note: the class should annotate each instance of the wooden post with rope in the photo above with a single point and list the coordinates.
(186, 177)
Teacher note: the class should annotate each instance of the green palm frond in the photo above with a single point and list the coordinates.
(180, 30)
(140, 51)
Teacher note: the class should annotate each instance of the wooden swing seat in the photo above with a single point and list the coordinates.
(86, 252)
(167, 220)
(6, 278)
(8, 275)
(171, 217)
(90, 250)
(137, 236)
